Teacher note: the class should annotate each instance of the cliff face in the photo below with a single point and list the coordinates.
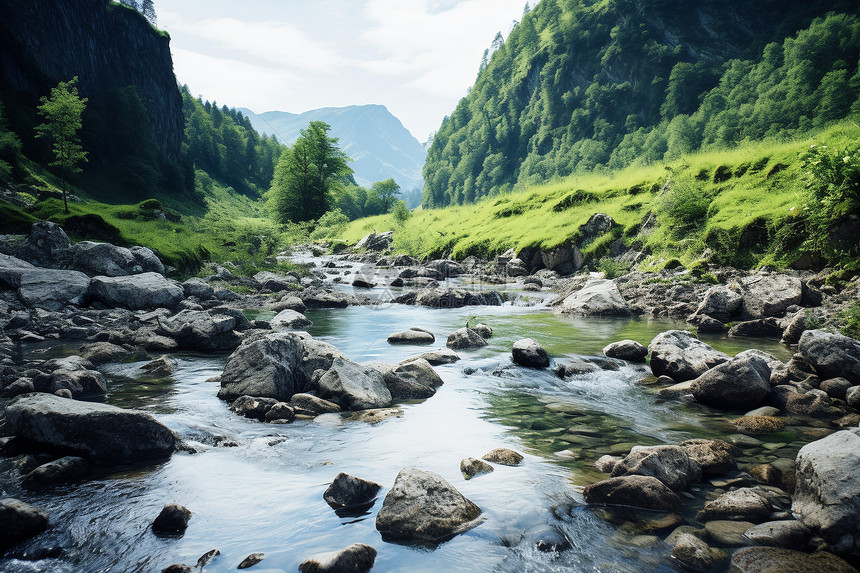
(108, 46)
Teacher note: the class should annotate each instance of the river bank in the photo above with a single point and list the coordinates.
(264, 482)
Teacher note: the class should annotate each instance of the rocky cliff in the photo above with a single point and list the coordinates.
(107, 45)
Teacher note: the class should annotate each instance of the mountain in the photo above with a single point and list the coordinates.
(582, 84)
(133, 124)
(371, 136)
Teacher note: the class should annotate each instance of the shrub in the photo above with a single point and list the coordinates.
(850, 320)
(683, 206)
(612, 268)
(400, 213)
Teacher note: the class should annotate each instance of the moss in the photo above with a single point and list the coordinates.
(759, 424)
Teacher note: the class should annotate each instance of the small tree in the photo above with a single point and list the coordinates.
(147, 8)
(62, 113)
(386, 190)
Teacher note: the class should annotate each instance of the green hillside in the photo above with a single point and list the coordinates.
(759, 203)
(582, 85)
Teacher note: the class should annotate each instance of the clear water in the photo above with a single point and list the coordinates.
(264, 492)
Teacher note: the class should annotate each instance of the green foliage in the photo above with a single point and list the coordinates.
(612, 268)
(331, 224)
(682, 207)
(400, 213)
(850, 320)
(10, 148)
(386, 190)
(62, 112)
(580, 86)
(306, 174)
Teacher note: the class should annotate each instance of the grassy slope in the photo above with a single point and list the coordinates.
(766, 182)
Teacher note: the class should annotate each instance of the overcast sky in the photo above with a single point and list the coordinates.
(416, 57)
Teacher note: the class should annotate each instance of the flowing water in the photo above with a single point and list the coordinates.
(255, 487)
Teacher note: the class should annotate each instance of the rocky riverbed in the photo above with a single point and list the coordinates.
(764, 457)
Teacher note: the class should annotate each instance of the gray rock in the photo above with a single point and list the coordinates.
(412, 336)
(669, 464)
(713, 456)
(728, 533)
(422, 506)
(813, 403)
(319, 299)
(275, 282)
(737, 384)
(695, 554)
(470, 467)
(357, 558)
(607, 463)
(281, 413)
(104, 352)
(253, 407)
(832, 355)
(147, 260)
(350, 492)
(503, 456)
(354, 387)
(720, 303)
(20, 521)
(483, 330)
(681, 356)
(81, 383)
(745, 504)
(598, 297)
(827, 492)
(146, 291)
(564, 259)
(198, 288)
(376, 242)
(456, 298)
(795, 329)
(644, 492)
(758, 328)
(251, 560)
(835, 387)
(173, 518)
(403, 387)
(290, 320)
(516, 268)
(46, 246)
(291, 302)
(626, 350)
(775, 560)
(852, 396)
(528, 352)
(123, 436)
(200, 330)
(465, 339)
(788, 534)
(53, 289)
(770, 295)
(312, 405)
(161, 367)
(103, 259)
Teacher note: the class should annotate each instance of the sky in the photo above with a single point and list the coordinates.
(416, 57)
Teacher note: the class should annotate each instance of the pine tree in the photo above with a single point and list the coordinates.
(130, 4)
(147, 8)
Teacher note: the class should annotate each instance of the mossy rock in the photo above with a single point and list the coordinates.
(759, 424)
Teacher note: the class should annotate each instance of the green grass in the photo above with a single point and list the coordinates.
(738, 203)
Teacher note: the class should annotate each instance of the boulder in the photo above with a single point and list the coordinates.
(465, 339)
(695, 554)
(795, 328)
(173, 518)
(728, 533)
(516, 268)
(280, 413)
(53, 289)
(200, 330)
(456, 298)
(758, 328)
(503, 456)
(776, 560)
(671, 465)
(745, 504)
(275, 282)
(404, 387)
(423, 507)
(376, 242)
(321, 299)
(483, 330)
(470, 467)
(103, 259)
(738, 384)
(720, 303)
(19, 521)
(564, 259)
(357, 558)
(102, 433)
(353, 387)
(626, 350)
(681, 356)
(46, 246)
(81, 383)
(832, 355)
(598, 297)
(852, 396)
(251, 560)
(644, 492)
(312, 405)
(253, 407)
(713, 456)
(770, 295)
(104, 352)
(275, 365)
(291, 302)
(161, 367)
(412, 336)
(146, 291)
(437, 357)
(827, 491)
(788, 534)
(289, 319)
(147, 260)
(528, 352)
(835, 387)
(198, 288)
(349, 492)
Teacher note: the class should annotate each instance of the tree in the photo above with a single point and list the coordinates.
(62, 113)
(306, 174)
(147, 8)
(386, 190)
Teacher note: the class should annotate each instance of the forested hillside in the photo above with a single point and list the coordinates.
(580, 85)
